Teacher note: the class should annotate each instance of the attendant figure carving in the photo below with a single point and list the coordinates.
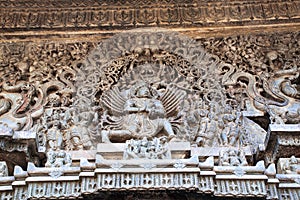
(55, 137)
(3, 169)
(231, 129)
(207, 129)
(232, 157)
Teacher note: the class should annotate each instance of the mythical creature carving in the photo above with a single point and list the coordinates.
(144, 113)
(267, 81)
(19, 105)
(277, 95)
(70, 103)
(200, 118)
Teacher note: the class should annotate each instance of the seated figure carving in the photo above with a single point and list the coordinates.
(58, 159)
(232, 157)
(292, 166)
(143, 114)
(149, 149)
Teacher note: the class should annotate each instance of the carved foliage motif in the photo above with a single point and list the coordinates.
(268, 78)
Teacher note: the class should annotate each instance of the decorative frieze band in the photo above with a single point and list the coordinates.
(37, 190)
(253, 186)
(36, 184)
(135, 181)
(119, 3)
(89, 15)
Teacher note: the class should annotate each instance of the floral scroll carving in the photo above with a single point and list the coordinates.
(270, 80)
(121, 15)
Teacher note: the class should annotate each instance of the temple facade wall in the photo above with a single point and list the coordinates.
(149, 99)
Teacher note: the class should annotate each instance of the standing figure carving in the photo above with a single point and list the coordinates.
(55, 137)
(231, 128)
(207, 129)
(3, 169)
(143, 114)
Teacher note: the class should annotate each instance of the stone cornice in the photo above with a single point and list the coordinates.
(77, 16)
(122, 3)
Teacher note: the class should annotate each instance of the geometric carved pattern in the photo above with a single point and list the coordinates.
(133, 181)
(54, 189)
(255, 188)
(289, 194)
(105, 179)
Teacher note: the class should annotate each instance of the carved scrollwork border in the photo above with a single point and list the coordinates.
(22, 15)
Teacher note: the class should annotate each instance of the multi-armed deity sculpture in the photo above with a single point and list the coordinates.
(144, 114)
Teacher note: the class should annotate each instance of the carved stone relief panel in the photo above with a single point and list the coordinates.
(142, 94)
(266, 69)
(63, 100)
